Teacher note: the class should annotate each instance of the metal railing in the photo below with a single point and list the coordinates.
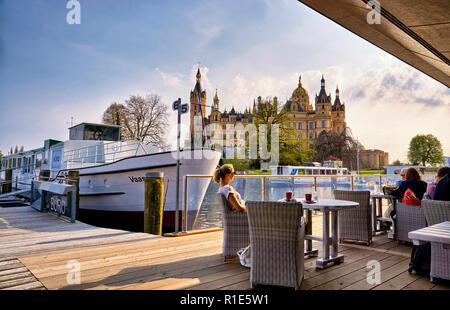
(295, 183)
(102, 153)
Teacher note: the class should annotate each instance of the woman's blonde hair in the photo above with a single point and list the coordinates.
(221, 172)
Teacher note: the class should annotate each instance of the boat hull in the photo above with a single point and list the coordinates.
(113, 195)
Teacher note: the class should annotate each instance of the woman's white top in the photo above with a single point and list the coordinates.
(226, 190)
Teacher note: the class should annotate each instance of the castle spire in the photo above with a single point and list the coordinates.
(198, 73)
(216, 98)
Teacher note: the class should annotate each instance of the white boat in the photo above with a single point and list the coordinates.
(112, 176)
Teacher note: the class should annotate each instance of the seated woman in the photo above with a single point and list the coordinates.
(413, 182)
(441, 174)
(443, 186)
(225, 175)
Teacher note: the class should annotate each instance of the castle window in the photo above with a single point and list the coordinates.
(311, 125)
(338, 114)
(323, 107)
(311, 136)
(323, 124)
(299, 125)
(295, 125)
(337, 129)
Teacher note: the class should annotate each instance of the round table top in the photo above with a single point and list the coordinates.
(331, 204)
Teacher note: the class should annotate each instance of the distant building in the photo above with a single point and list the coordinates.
(447, 161)
(373, 159)
(308, 121)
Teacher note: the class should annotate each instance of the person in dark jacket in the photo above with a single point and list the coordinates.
(413, 182)
(442, 191)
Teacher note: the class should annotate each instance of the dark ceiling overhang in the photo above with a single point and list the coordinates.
(415, 31)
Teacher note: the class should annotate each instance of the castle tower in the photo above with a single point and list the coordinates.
(338, 114)
(198, 106)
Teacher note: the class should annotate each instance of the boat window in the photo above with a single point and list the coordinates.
(56, 159)
(38, 160)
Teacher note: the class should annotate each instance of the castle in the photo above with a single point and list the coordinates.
(308, 121)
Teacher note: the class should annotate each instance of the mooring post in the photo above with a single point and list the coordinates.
(74, 179)
(154, 197)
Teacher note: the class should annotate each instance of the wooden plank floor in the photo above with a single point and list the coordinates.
(39, 247)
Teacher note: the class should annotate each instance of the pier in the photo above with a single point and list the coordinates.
(38, 250)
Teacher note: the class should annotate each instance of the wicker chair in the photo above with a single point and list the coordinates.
(235, 229)
(355, 224)
(409, 218)
(438, 211)
(277, 234)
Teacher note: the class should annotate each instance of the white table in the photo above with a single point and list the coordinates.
(436, 234)
(327, 206)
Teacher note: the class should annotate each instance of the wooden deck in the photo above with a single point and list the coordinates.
(36, 250)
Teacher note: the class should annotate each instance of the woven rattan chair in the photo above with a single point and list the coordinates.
(235, 229)
(408, 218)
(355, 224)
(438, 211)
(277, 234)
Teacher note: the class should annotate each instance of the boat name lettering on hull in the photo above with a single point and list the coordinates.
(136, 179)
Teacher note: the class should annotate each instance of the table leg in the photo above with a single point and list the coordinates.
(374, 216)
(326, 234)
(308, 231)
(380, 211)
(335, 256)
(334, 233)
(393, 234)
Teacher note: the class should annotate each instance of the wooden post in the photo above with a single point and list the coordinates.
(154, 197)
(74, 179)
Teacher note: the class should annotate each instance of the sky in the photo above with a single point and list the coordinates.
(51, 71)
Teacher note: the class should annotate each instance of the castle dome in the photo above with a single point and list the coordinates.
(300, 96)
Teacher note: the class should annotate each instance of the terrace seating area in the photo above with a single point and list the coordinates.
(355, 224)
(36, 247)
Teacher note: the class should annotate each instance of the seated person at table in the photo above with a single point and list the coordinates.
(441, 174)
(225, 175)
(403, 175)
(442, 191)
(413, 182)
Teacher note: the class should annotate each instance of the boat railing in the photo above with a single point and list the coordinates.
(103, 153)
(270, 187)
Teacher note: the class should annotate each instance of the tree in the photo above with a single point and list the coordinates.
(425, 149)
(340, 145)
(397, 162)
(139, 117)
(291, 150)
